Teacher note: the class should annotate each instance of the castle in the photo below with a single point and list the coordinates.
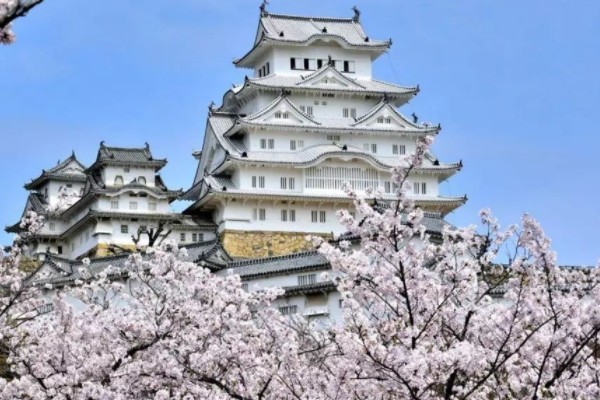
(271, 170)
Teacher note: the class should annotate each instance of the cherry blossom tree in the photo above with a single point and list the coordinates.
(473, 315)
(9, 11)
(445, 321)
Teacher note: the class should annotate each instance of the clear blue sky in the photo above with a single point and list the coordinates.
(515, 85)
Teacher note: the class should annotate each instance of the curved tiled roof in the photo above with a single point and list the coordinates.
(126, 156)
(291, 29)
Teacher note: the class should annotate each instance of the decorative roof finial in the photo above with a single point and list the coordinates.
(211, 107)
(415, 118)
(147, 145)
(73, 153)
(102, 144)
(330, 61)
(263, 7)
(58, 162)
(386, 97)
(356, 14)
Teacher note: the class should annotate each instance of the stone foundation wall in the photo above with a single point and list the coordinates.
(250, 244)
(102, 250)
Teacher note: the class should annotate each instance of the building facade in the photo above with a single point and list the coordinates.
(117, 204)
(310, 117)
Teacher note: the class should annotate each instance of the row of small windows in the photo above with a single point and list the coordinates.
(282, 115)
(269, 144)
(286, 183)
(264, 70)
(312, 64)
(133, 205)
(183, 237)
(316, 216)
(419, 188)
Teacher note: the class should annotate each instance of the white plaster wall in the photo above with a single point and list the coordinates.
(111, 172)
(281, 58)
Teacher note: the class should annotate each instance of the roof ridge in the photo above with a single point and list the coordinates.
(307, 18)
(242, 263)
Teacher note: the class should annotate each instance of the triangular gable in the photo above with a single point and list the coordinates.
(329, 77)
(384, 116)
(281, 111)
(69, 166)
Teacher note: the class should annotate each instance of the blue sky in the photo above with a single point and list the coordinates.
(515, 85)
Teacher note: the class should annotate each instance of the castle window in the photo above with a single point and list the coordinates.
(245, 287)
(114, 204)
(258, 181)
(309, 111)
(398, 149)
(182, 237)
(420, 188)
(288, 310)
(349, 112)
(380, 120)
(307, 279)
(142, 180)
(133, 205)
(52, 226)
(353, 113)
(330, 177)
(194, 237)
(349, 66)
(387, 186)
(388, 120)
(259, 214)
(272, 141)
(300, 144)
(46, 193)
(373, 148)
(263, 143)
(124, 229)
(284, 215)
(333, 138)
(288, 215)
(60, 249)
(151, 206)
(292, 145)
(118, 180)
(318, 216)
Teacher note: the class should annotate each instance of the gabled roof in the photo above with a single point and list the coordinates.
(384, 108)
(282, 104)
(399, 95)
(35, 203)
(300, 30)
(69, 170)
(122, 156)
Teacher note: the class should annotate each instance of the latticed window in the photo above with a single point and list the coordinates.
(327, 177)
(288, 310)
(398, 149)
(333, 138)
(259, 214)
(258, 181)
(420, 187)
(307, 279)
(292, 145)
(272, 143)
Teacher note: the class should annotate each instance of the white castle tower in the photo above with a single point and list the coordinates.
(278, 150)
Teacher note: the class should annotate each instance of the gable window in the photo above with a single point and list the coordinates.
(307, 279)
(142, 180)
(420, 187)
(124, 229)
(349, 66)
(114, 204)
(388, 120)
(282, 115)
(118, 180)
(398, 149)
